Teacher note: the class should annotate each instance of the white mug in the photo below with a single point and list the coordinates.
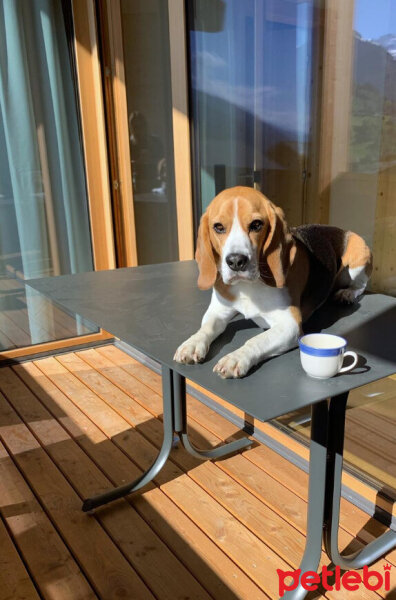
(322, 355)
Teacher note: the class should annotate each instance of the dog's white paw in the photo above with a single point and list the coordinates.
(192, 351)
(233, 365)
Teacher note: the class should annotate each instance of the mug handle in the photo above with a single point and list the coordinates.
(354, 363)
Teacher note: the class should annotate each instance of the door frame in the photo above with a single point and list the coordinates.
(117, 126)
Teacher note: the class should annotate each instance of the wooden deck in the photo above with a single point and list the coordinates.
(80, 423)
(370, 427)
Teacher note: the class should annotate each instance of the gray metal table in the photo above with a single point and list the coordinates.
(155, 308)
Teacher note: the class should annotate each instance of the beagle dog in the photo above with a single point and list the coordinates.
(269, 273)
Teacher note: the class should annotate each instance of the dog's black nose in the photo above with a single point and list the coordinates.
(237, 262)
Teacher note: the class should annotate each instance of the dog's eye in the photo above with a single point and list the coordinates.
(255, 225)
(219, 228)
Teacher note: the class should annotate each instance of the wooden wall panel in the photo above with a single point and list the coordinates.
(181, 128)
(94, 133)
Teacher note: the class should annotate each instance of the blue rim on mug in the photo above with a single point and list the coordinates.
(321, 351)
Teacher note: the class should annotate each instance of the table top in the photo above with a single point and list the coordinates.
(156, 307)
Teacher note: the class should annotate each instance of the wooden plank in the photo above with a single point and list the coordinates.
(133, 367)
(216, 572)
(127, 407)
(263, 521)
(15, 583)
(212, 566)
(252, 479)
(352, 519)
(382, 413)
(113, 396)
(368, 451)
(133, 387)
(102, 562)
(371, 452)
(95, 443)
(118, 133)
(55, 571)
(117, 362)
(144, 550)
(249, 553)
(83, 397)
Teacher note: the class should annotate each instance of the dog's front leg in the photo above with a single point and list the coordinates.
(214, 321)
(282, 336)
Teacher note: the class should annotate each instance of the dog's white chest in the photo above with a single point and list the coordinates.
(248, 305)
(259, 302)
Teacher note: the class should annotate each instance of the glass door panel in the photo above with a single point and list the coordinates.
(250, 85)
(252, 66)
(44, 224)
(361, 160)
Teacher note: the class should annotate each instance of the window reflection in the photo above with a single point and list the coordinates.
(317, 134)
(250, 77)
(361, 191)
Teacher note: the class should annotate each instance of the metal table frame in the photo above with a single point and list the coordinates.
(325, 471)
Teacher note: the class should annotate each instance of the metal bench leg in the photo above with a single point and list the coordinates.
(179, 390)
(377, 547)
(316, 496)
(128, 488)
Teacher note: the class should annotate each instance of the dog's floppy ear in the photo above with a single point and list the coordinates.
(273, 259)
(204, 256)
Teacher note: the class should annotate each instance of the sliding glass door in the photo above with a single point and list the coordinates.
(298, 99)
(44, 223)
(359, 158)
(250, 70)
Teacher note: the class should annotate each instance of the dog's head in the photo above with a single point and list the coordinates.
(242, 237)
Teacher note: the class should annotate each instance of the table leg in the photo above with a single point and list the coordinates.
(168, 420)
(179, 390)
(316, 496)
(377, 547)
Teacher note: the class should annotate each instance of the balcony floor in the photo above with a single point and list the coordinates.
(79, 423)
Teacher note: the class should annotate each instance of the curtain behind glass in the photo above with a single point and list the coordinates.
(44, 227)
